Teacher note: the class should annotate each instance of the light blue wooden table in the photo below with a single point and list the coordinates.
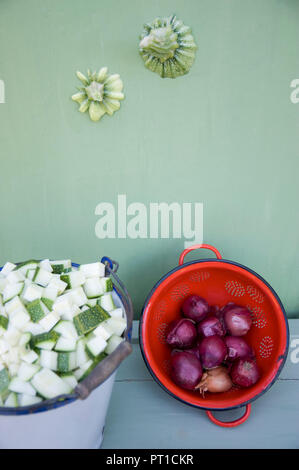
(141, 415)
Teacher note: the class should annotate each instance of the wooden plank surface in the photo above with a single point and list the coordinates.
(142, 415)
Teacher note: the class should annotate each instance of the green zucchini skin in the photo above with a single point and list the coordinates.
(4, 381)
(89, 319)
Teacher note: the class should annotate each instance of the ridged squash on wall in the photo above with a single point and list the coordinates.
(101, 93)
(167, 47)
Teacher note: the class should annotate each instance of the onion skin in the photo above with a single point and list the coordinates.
(185, 369)
(196, 308)
(215, 381)
(214, 309)
(237, 348)
(237, 320)
(194, 350)
(212, 351)
(245, 372)
(181, 333)
(211, 326)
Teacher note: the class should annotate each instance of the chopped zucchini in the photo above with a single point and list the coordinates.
(92, 302)
(27, 400)
(14, 277)
(26, 371)
(12, 400)
(42, 277)
(4, 380)
(66, 344)
(49, 385)
(46, 265)
(50, 292)
(95, 345)
(93, 287)
(113, 343)
(59, 266)
(3, 323)
(107, 284)
(12, 290)
(19, 386)
(89, 319)
(78, 296)
(66, 361)
(66, 329)
(29, 356)
(93, 364)
(106, 301)
(70, 379)
(24, 339)
(49, 321)
(45, 340)
(7, 268)
(81, 371)
(37, 310)
(58, 284)
(49, 359)
(23, 267)
(14, 304)
(103, 330)
(81, 354)
(116, 313)
(117, 325)
(32, 292)
(73, 279)
(93, 269)
(19, 319)
(53, 317)
(48, 303)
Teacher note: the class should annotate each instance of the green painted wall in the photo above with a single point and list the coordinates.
(225, 135)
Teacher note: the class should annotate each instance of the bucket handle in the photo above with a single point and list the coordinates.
(108, 365)
(230, 424)
(197, 247)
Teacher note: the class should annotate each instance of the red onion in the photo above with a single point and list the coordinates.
(213, 309)
(181, 333)
(237, 320)
(215, 380)
(212, 351)
(237, 348)
(245, 372)
(211, 326)
(195, 307)
(185, 369)
(194, 350)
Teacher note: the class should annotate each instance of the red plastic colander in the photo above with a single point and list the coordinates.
(219, 281)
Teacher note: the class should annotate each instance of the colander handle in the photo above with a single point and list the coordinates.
(230, 424)
(197, 247)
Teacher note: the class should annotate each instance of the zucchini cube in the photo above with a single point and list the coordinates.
(89, 319)
(3, 323)
(37, 310)
(66, 361)
(4, 380)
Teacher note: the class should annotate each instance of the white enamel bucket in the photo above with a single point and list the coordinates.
(73, 421)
